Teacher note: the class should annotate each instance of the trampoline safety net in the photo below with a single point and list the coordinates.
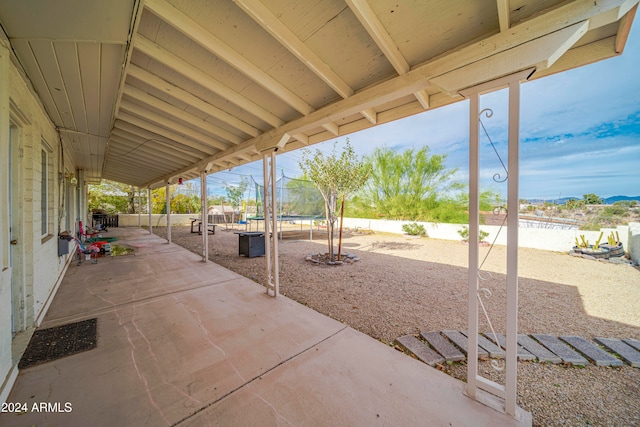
(296, 198)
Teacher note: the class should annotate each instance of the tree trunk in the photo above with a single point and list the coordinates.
(327, 216)
(341, 220)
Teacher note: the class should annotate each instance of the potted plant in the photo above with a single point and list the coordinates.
(614, 245)
(581, 244)
(595, 251)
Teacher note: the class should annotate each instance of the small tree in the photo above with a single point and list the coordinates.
(235, 193)
(112, 197)
(407, 185)
(334, 175)
(591, 199)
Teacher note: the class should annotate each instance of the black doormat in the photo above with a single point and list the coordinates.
(61, 341)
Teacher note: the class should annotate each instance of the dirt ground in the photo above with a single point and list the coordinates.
(403, 286)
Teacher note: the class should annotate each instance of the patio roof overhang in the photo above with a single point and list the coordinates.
(145, 92)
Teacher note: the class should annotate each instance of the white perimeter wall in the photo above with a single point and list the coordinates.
(536, 238)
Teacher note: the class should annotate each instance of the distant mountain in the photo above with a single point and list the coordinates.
(611, 200)
(606, 201)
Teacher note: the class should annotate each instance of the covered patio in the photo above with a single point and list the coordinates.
(151, 93)
(181, 342)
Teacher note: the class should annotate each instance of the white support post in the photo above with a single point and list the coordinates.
(266, 210)
(508, 392)
(511, 380)
(149, 206)
(474, 225)
(204, 220)
(168, 199)
(139, 209)
(271, 222)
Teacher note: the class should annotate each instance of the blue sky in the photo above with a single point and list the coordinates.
(579, 133)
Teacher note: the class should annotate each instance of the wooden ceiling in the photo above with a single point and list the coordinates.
(145, 92)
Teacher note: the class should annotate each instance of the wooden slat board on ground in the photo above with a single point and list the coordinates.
(420, 350)
(523, 354)
(462, 342)
(591, 351)
(442, 346)
(541, 353)
(491, 348)
(560, 349)
(625, 351)
(451, 346)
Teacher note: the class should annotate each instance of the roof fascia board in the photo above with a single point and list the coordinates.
(540, 53)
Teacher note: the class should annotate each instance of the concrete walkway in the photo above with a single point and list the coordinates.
(182, 342)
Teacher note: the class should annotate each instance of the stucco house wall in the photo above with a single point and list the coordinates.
(31, 267)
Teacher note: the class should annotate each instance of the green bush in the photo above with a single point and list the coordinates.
(615, 210)
(414, 229)
(464, 233)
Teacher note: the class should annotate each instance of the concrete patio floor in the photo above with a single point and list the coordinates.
(182, 342)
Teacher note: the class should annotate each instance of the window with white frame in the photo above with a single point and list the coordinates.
(46, 190)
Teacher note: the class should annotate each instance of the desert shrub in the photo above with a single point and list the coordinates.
(464, 233)
(615, 210)
(414, 229)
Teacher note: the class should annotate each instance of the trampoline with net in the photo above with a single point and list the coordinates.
(299, 202)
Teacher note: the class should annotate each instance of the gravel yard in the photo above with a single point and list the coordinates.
(404, 286)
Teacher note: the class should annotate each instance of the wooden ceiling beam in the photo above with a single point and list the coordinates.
(504, 14)
(371, 23)
(195, 147)
(217, 47)
(203, 141)
(199, 124)
(150, 152)
(270, 23)
(224, 155)
(188, 98)
(170, 60)
(624, 29)
(540, 53)
(132, 132)
(137, 164)
(419, 77)
(163, 147)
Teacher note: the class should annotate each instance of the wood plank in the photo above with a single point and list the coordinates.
(591, 351)
(489, 346)
(165, 57)
(462, 342)
(540, 352)
(442, 346)
(633, 343)
(419, 349)
(184, 24)
(625, 351)
(523, 354)
(556, 346)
